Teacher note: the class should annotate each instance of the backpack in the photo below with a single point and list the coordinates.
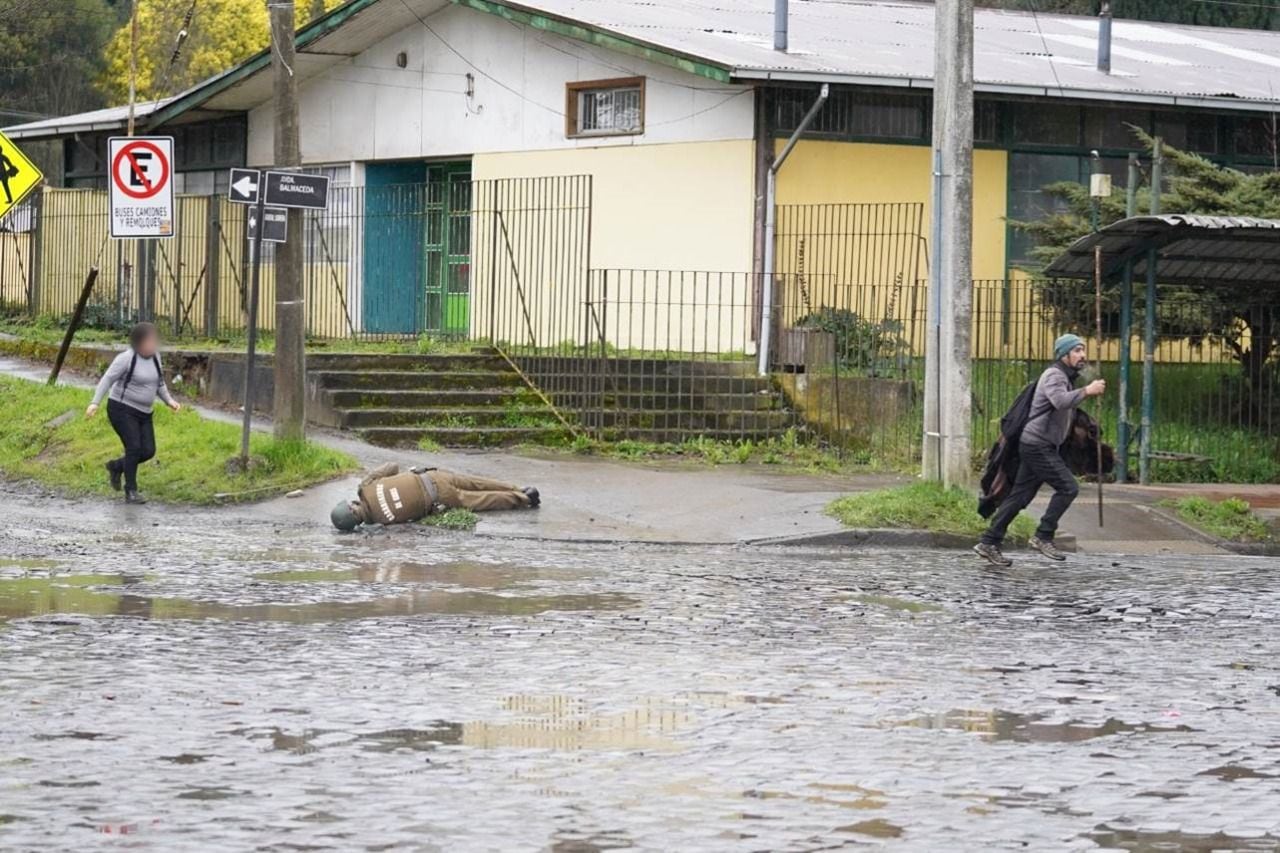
(133, 362)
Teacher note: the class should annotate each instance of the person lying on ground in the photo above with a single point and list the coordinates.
(1050, 421)
(390, 496)
(134, 380)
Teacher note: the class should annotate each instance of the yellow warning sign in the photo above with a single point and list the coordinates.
(18, 176)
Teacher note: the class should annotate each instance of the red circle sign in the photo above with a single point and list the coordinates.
(150, 187)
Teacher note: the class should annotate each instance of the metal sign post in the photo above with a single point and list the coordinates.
(245, 189)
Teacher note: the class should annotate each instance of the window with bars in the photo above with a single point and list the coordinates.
(605, 107)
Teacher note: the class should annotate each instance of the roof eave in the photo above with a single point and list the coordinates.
(924, 83)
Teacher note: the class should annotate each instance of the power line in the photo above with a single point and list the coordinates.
(1044, 43)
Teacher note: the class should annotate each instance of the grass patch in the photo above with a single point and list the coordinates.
(190, 466)
(920, 506)
(788, 451)
(455, 518)
(1230, 519)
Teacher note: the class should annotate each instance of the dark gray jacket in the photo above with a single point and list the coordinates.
(1053, 407)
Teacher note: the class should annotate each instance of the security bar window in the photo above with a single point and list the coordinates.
(605, 107)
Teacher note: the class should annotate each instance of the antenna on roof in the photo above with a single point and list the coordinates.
(780, 22)
(1104, 37)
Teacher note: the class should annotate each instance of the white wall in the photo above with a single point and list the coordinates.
(366, 108)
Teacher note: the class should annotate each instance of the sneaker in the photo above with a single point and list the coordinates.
(114, 473)
(992, 554)
(534, 498)
(131, 497)
(1046, 547)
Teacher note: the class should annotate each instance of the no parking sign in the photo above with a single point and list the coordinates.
(141, 186)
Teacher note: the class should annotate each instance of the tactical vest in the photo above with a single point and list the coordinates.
(396, 499)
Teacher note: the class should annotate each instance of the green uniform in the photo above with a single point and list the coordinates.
(388, 496)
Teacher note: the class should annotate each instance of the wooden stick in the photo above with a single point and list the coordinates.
(76, 316)
(1097, 306)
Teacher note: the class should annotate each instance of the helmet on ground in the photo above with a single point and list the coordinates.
(344, 516)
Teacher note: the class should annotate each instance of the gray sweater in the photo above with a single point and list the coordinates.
(1053, 408)
(146, 384)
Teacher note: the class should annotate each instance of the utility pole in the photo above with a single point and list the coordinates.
(947, 402)
(291, 358)
(133, 61)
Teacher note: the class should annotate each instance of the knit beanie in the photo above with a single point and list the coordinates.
(1066, 344)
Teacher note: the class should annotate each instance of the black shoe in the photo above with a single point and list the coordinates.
(532, 493)
(132, 497)
(1046, 547)
(114, 473)
(992, 554)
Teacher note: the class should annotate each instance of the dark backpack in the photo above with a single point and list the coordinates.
(1004, 457)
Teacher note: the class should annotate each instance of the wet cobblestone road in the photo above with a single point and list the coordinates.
(167, 683)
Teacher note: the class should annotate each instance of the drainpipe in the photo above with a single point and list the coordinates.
(1104, 37)
(770, 224)
(780, 25)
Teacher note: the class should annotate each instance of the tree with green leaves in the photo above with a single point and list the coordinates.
(1241, 316)
(1256, 15)
(221, 33)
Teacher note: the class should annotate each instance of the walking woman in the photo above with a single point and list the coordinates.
(134, 380)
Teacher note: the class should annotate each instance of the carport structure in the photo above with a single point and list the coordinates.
(1203, 252)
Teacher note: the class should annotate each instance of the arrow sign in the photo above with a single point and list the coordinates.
(297, 189)
(244, 186)
(277, 224)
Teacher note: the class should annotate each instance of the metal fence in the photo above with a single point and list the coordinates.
(459, 260)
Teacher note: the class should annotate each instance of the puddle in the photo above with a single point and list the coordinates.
(1179, 842)
(1031, 728)
(27, 564)
(876, 828)
(559, 723)
(77, 595)
(893, 603)
(465, 573)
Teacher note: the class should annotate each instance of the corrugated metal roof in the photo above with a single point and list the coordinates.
(871, 42)
(107, 119)
(891, 41)
(1191, 249)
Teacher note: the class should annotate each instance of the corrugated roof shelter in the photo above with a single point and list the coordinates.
(856, 42)
(1193, 250)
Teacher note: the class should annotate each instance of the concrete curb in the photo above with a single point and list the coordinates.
(1245, 549)
(888, 538)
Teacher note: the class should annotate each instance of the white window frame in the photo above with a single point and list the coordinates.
(576, 92)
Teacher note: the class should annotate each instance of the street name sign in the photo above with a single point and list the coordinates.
(277, 224)
(297, 189)
(18, 176)
(141, 186)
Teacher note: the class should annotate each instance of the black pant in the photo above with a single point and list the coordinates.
(1040, 464)
(138, 437)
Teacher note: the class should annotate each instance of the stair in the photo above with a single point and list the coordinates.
(665, 400)
(467, 400)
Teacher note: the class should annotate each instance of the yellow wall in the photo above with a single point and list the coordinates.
(819, 172)
(682, 206)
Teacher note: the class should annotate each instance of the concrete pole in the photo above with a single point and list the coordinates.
(290, 359)
(947, 403)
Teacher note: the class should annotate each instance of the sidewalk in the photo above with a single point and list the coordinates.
(589, 499)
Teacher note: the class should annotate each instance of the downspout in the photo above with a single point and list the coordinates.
(781, 25)
(1104, 37)
(770, 224)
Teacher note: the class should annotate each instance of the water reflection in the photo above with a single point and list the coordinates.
(80, 595)
(463, 573)
(1137, 841)
(1031, 728)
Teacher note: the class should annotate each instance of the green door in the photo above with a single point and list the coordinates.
(448, 249)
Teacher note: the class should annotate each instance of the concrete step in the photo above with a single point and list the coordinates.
(413, 380)
(769, 422)
(444, 398)
(660, 435)
(643, 400)
(450, 417)
(409, 436)
(646, 366)
(656, 383)
(404, 361)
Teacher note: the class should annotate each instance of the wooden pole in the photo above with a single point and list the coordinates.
(76, 317)
(1097, 311)
(133, 61)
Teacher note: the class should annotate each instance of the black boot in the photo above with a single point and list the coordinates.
(133, 497)
(113, 471)
(532, 494)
